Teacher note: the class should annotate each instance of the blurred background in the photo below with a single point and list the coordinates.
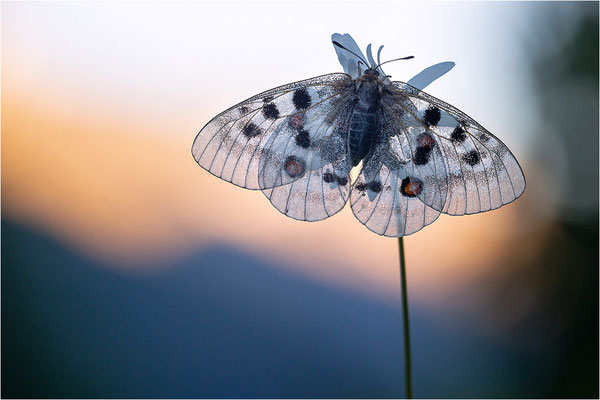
(129, 271)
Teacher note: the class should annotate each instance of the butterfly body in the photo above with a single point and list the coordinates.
(363, 124)
(298, 143)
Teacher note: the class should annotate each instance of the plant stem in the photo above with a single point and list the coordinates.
(405, 315)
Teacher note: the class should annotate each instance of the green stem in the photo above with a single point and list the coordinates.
(405, 314)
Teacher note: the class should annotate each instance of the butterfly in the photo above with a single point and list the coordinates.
(412, 156)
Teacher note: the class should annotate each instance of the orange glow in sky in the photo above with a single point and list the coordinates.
(96, 150)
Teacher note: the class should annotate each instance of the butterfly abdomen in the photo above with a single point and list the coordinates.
(363, 124)
(360, 137)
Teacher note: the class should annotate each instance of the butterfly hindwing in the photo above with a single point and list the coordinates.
(387, 195)
(322, 190)
(231, 145)
(382, 200)
(481, 172)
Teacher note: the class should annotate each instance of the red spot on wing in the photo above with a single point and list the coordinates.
(294, 166)
(296, 121)
(426, 141)
(411, 186)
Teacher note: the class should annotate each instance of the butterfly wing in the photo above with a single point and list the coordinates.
(308, 179)
(430, 74)
(387, 195)
(352, 63)
(231, 145)
(481, 172)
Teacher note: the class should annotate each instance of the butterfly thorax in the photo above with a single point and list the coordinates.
(363, 124)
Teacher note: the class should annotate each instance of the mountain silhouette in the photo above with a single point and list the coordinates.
(220, 323)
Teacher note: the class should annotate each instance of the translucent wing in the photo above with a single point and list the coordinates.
(231, 145)
(388, 194)
(481, 172)
(430, 74)
(308, 179)
(349, 61)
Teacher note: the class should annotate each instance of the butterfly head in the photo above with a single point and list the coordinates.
(371, 72)
(371, 77)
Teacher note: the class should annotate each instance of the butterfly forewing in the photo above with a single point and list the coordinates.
(481, 172)
(231, 144)
(303, 141)
(423, 160)
(320, 160)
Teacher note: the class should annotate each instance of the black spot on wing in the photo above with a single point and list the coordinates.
(328, 177)
(432, 116)
(421, 156)
(270, 111)
(425, 143)
(458, 135)
(472, 158)
(301, 99)
(483, 137)
(251, 130)
(375, 186)
(302, 139)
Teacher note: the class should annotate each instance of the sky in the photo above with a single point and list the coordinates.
(101, 102)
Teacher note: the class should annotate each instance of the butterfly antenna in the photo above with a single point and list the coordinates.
(395, 59)
(350, 51)
(378, 54)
